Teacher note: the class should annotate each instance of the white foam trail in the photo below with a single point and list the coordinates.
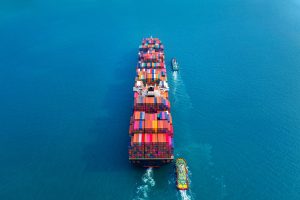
(180, 94)
(148, 182)
(175, 75)
(184, 195)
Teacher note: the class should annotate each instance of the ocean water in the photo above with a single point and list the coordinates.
(66, 74)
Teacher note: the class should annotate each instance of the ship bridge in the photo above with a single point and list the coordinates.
(151, 90)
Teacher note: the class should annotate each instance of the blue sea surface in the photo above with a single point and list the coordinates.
(66, 74)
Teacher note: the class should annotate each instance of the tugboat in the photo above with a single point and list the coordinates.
(175, 65)
(182, 181)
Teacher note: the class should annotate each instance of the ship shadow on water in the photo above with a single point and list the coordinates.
(108, 148)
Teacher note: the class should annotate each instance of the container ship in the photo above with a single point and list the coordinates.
(151, 129)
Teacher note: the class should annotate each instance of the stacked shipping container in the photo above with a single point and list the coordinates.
(151, 128)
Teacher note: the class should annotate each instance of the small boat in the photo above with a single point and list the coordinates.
(182, 181)
(175, 65)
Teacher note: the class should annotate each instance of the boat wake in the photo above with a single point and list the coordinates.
(180, 94)
(184, 195)
(148, 182)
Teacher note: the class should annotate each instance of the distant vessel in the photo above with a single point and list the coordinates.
(182, 181)
(175, 65)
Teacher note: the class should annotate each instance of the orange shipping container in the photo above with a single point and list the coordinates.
(154, 124)
(161, 137)
(160, 124)
(135, 138)
(154, 138)
(137, 115)
(148, 124)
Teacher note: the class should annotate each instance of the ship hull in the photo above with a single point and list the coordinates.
(154, 163)
(151, 128)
